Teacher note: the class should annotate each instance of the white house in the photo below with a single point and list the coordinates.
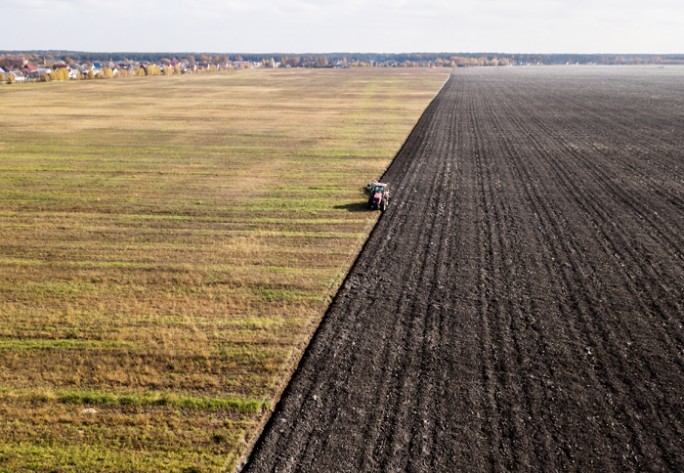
(18, 76)
(74, 73)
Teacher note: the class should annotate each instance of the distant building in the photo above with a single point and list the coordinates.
(18, 75)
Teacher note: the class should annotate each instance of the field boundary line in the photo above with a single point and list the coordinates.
(266, 421)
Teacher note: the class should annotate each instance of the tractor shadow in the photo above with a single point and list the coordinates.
(354, 207)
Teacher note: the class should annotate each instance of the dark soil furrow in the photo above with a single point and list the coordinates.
(554, 226)
(587, 266)
(580, 269)
(612, 232)
(517, 309)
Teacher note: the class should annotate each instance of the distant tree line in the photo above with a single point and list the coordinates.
(46, 66)
(359, 59)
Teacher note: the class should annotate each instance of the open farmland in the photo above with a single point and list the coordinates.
(167, 247)
(519, 307)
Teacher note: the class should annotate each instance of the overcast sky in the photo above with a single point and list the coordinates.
(523, 26)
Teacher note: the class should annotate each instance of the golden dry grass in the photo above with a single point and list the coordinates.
(167, 248)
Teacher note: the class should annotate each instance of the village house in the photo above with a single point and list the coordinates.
(18, 75)
(98, 69)
(30, 71)
(40, 73)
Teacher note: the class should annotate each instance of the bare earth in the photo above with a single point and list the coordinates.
(520, 305)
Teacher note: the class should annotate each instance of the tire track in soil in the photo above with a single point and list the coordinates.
(552, 228)
(576, 275)
(511, 311)
(618, 381)
(622, 380)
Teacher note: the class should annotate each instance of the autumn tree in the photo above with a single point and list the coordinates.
(152, 70)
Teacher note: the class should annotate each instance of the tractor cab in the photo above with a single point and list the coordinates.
(378, 196)
(378, 188)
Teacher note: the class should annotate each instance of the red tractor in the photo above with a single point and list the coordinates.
(379, 196)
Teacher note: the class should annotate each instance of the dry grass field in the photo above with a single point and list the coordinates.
(168, 246)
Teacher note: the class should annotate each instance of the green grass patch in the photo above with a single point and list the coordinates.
(78, 458)
(64, 344)
(172, 400)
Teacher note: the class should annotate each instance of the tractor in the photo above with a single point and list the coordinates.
(378, 198)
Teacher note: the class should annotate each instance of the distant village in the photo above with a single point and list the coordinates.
(25, 68)
(46, 66)
(15, 69)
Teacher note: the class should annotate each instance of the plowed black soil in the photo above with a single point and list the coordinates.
(520, 304)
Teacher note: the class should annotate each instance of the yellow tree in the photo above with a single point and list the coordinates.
(59, 74)
(152, 70)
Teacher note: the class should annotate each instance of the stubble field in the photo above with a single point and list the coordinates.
(167, 248)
